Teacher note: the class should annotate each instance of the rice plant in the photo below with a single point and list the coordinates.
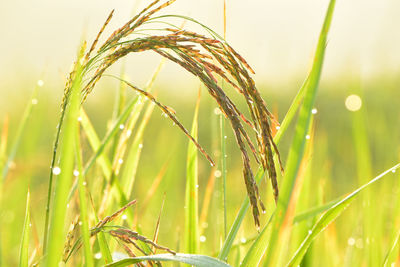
(95, 209)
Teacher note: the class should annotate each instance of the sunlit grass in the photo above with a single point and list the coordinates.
(143, 191)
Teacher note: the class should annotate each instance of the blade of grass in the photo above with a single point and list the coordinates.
(222, 179)
(105, 250)
(267, 242)
(157, 229)
(120, 98)
(277, 138)
(24, 250)
(119, 148)
(290, 114)
(287, 235)
(83, 204)
(109, 136)
(312, 212)
(191, 195)
(102, 160)
(94, 142)
(63, 183)
(154, 186)
(206, 201)
(223, 150)
(132, 161)
(330, 215)
(101, 239)
(195, 260)
(372, 222)
(223, 255)
(20, 131)
(393, 252)
(114, 130)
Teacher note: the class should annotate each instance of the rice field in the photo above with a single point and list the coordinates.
(235, 173)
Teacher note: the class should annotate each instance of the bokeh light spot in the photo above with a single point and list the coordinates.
(353, 102)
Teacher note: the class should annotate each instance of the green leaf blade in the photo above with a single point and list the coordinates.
(330, 215)
(24, 250)
(191, 195)
(268, 241)
(63, 183)
(195, 260)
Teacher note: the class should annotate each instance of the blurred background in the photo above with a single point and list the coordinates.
(39, 40)
(276, 37)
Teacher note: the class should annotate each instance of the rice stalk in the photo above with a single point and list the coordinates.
(56, 223)
(192, 192)
(197, 54)
(206, 58)
(268, 241)
(83, 204)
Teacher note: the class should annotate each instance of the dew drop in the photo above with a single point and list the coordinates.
(128, 133)
(140, 145)
(68, 206)
(314, 111)
(202, 238)
(393, 171)
(277, 127)
(121, 126)
(308, 137)
(40, 83)
(217, 111)
(197, 186)
(84, 183)
(76, 173)
(225, 136)
(124, 217)
(56, 170)
(243, 240)
(120, 161)
(264, 211)
(309, 232)
(80, 223)
(34, 101)
(217, 173)
(79, 118)
(351, 241)
(97, 256)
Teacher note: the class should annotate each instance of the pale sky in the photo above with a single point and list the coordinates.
(277, 37)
